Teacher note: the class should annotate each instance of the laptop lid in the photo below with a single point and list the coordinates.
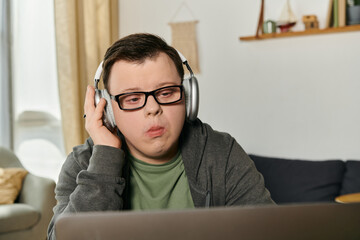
(307, 221)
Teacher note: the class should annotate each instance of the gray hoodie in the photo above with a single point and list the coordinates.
(220, 173)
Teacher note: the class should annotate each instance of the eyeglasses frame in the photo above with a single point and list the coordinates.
(147, 94)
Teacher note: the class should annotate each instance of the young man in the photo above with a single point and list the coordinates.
(157, 159)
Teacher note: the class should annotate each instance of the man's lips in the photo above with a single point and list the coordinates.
(155, 131)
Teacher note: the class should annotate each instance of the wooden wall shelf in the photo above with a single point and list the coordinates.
(302, 33)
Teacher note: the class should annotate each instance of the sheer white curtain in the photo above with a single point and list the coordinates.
(5, 81)
(38, 140)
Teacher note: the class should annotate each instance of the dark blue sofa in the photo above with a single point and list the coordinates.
(300, 181)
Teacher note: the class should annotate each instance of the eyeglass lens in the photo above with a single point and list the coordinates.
(136, 100)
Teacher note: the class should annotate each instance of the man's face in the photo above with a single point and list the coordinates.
(151, 132)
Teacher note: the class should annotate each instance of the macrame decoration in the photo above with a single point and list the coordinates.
(183, 38)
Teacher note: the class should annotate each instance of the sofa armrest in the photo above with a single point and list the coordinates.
(351, 182)
(38, 192)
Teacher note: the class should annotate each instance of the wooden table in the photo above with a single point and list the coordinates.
(348, 198)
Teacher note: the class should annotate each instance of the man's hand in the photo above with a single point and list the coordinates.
(94, 124)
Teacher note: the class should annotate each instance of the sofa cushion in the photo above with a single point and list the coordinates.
(14, 217)
(291, 181)
(351, 181)
(11, 180)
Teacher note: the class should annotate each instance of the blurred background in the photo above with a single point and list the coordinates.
(292, 97)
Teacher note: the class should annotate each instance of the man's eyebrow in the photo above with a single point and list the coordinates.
(137, 89)
(165, 84)
(131, 89)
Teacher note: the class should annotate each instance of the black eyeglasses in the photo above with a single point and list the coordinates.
(137, 100)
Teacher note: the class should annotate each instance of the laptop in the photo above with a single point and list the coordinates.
(306, 221)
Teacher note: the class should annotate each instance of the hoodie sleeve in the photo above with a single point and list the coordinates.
(89, 181)
(244, 184)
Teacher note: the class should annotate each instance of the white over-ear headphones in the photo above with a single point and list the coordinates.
(191, 88)
(190, 85)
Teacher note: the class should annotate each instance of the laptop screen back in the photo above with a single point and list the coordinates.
(308, 221)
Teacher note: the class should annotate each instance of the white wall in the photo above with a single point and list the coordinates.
(293, 97)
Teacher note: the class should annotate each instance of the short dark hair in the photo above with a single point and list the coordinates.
(137, 48)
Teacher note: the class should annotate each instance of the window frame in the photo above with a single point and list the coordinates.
(6, 106)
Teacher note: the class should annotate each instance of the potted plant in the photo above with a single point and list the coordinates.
(353, 12)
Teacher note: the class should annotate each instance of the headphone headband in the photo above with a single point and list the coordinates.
(99, 69)
(185, 62)
(190, 86)
(98, 74)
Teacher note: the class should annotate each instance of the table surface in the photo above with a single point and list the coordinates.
(348, 198)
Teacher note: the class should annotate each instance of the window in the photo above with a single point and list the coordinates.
(36, 110)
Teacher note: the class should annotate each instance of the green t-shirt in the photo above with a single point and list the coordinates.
(163, 186)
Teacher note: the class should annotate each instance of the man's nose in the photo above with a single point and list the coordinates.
(152, 107)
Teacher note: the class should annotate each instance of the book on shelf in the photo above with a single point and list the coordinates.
(336, 13)
(329, 16)
(342, 13)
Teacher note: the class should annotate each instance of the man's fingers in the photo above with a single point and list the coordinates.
(90, 110)
(93, 121)
(89, 104)
(94, 118)
(100, 108)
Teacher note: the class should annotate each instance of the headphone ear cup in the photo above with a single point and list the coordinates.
(187, 91)
(191, 89)
(108, 116)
